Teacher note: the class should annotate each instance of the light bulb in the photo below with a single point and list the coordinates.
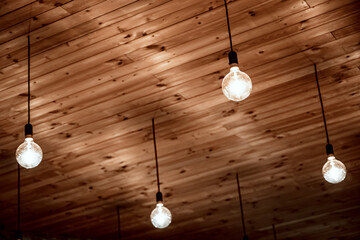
(333, 170)
(236, 85)
(29, 154)
(160, 216)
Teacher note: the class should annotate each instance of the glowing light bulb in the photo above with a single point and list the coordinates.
(160, 216)
(333, 170)
(236, 85)
(29, 154)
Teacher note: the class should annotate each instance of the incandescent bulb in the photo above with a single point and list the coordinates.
(236, 85)
(333, 170)
(29, 154)
(160, 216)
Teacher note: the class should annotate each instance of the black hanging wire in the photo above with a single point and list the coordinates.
(232, 55)
(241, 207)
(18, 213)
(18, 232)
(118, 221)
(228, 24)
(322, 106)
(274, 231)
(28, 126)
(28, 37)
(156, 157)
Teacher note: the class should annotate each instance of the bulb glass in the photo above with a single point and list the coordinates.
(160, 216)
(236, 85)
(333, 170)
(29, 154)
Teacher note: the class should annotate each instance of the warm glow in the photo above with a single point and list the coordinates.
(236, 85)
(29, 154)
(334, 171)
(160, 216)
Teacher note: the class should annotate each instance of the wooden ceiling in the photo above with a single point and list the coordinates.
(101, 69)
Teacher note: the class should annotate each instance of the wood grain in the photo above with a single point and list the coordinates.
(101, 69)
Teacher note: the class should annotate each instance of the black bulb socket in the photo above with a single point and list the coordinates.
(159, 197)
(28, 130)
(233, 58)
(245, 237)
(329, 149)
(18, 235)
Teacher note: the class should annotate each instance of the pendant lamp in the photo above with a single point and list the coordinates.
(160, 216)
(118, 222)
(274, 231)
(245, 237)
(333, 170)
(236, 85)
(18, 234)
(29, 154)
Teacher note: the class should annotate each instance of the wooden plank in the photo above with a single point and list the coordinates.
(149, 59)
(96, 85)
(340, 33)
(56, 27)
(25, 13)
(316, 105)
(313, 3)
(107, 28)
(34, 23)
(7, 6)
(120, 95)
(117, 30)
